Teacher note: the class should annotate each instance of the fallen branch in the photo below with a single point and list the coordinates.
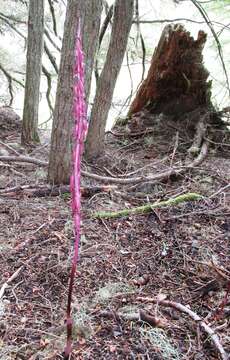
(184, 309)
(148, 207)
(139, 316)
(136, 180)
(26, 159)
(10, 168)
(48, 190)
(6, 284)
(9, 148)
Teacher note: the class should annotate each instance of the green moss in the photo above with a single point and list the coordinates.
(148, 207)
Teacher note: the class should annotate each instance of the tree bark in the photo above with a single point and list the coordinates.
(33, 72)
(89, 13)
(177, 79)
(122, 21)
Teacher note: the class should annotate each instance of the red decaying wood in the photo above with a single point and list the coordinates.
(177, 79)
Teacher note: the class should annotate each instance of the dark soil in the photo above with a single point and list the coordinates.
(172, 248)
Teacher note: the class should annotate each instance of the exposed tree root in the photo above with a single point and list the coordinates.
(184, 309)
(148, 207)
(153, 178)
(201, 128)
(126, 181)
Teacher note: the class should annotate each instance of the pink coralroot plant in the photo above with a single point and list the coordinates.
(79, 133)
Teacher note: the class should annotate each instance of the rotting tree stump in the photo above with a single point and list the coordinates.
(177, 79)
(177, 90)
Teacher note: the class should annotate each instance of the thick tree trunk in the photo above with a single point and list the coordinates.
(177, 79)
(89, 13)
(122, 21)
(33, 71)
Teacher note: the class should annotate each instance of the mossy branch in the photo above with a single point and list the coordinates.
(148, 207)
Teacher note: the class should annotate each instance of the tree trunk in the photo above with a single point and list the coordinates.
(177, 79)
(122, 21)
(89, 12)
(33, 72)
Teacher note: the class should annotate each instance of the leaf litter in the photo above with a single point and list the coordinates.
(173, 247)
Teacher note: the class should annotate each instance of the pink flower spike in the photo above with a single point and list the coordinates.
(79, 133)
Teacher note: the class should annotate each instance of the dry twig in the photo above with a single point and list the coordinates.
(9, 148)
(6, 284)
(140, 315)
(226, 187)
(184, 309)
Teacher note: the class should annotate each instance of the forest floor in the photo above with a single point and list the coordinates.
(178, 253)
